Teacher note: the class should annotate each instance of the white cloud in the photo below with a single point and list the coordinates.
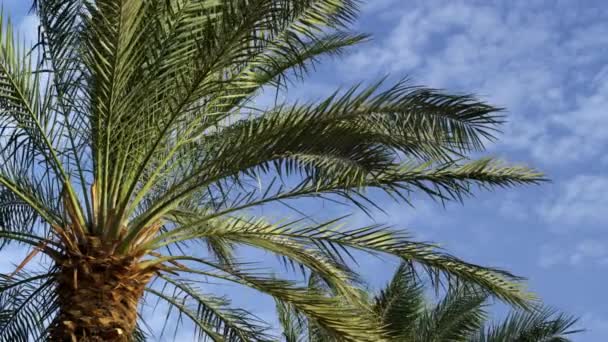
(377, 5)
(525, 58)
(590, 118)
(581, 201)
(551, 255)
(595, 325)
(590, 250)
(513, 208)
(585, 252)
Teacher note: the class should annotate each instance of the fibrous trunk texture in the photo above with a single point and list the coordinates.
(98, 297)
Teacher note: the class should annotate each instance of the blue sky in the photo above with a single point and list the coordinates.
(546, 62)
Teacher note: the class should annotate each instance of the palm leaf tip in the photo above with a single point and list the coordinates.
(539, 324)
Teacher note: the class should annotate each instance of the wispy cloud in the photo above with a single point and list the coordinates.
(524, 57)
(587, 252)
(595, 325)
(581, 202)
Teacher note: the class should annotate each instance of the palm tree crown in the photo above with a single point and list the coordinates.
(403, 309)
(129, 142)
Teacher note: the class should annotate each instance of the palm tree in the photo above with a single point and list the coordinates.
(132, 160)
(460, 316)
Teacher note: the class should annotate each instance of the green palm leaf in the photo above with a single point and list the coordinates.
(459, 315)
(401, 303)
(542, 324)
(28, 304)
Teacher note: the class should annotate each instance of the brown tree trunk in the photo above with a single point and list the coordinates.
(98, 298)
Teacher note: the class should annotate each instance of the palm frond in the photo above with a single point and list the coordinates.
(211, 314)
(331, 143)
(293, 324)
(29, 132)
(455, 318)
(27, 305)
(177, 67)
(330, 239)
(400, 303)
(541, 324)
(292, 251)
(15, 215)
(348, 320)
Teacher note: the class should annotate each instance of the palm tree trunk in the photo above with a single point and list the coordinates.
(98, 297)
